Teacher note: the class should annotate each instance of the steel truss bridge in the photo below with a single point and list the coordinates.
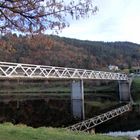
(92, 122)
(19, 70)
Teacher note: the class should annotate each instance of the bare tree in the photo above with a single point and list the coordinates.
(39, 15)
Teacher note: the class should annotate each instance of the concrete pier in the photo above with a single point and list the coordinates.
(77, 99)
(124, 91)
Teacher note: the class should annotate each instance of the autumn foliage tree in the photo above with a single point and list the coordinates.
(36, 16)
(7, 51)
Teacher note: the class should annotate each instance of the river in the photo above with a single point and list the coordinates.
(55, 110)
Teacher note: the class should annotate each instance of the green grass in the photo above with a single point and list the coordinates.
(136, 84)
(9, 131)
(100, 104)
(51, 87)
(136, 89)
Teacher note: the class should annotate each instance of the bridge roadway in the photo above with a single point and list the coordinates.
(19, 70)
(86, 125)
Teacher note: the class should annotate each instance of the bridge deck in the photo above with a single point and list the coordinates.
(18, 70)
(92, 122)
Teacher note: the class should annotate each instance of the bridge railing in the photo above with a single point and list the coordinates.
(19, 70)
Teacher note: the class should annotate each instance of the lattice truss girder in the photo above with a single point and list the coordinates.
(41, 71)
(92, 122)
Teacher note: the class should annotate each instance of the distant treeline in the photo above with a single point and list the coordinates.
(58, 51)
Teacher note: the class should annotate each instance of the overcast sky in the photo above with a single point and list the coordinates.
(116, 20)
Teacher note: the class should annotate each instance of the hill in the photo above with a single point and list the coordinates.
(59, 51)
(123, 54)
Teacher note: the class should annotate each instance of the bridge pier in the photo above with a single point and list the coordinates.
(77, 99)
(124, 91)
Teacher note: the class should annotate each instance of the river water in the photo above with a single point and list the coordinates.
(51, 110)
(128, 133)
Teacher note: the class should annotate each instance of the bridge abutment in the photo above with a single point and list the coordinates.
(77, 99)
(124, 91)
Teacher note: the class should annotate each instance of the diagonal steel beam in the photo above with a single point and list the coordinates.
(92, 122)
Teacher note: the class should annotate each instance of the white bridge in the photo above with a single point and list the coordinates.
(19, 70)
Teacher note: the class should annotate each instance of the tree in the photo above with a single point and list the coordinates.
(36, 16)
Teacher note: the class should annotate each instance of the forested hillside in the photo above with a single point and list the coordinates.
(53, 50)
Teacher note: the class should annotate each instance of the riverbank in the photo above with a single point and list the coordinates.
(9, 131)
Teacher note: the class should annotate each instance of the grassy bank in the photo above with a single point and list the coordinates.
(20, 86)
(136, 89)
(9, 131)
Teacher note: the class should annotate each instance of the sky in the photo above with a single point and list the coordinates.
(116, 20)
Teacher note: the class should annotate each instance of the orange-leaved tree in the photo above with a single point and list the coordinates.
(35, 16)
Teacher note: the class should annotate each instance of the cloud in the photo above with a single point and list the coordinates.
(116, 21)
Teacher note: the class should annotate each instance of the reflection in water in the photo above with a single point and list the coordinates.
(54, 109)
(78, 108)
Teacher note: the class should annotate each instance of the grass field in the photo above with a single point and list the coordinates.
(136, 89)
(136, 84)
(9, 131)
